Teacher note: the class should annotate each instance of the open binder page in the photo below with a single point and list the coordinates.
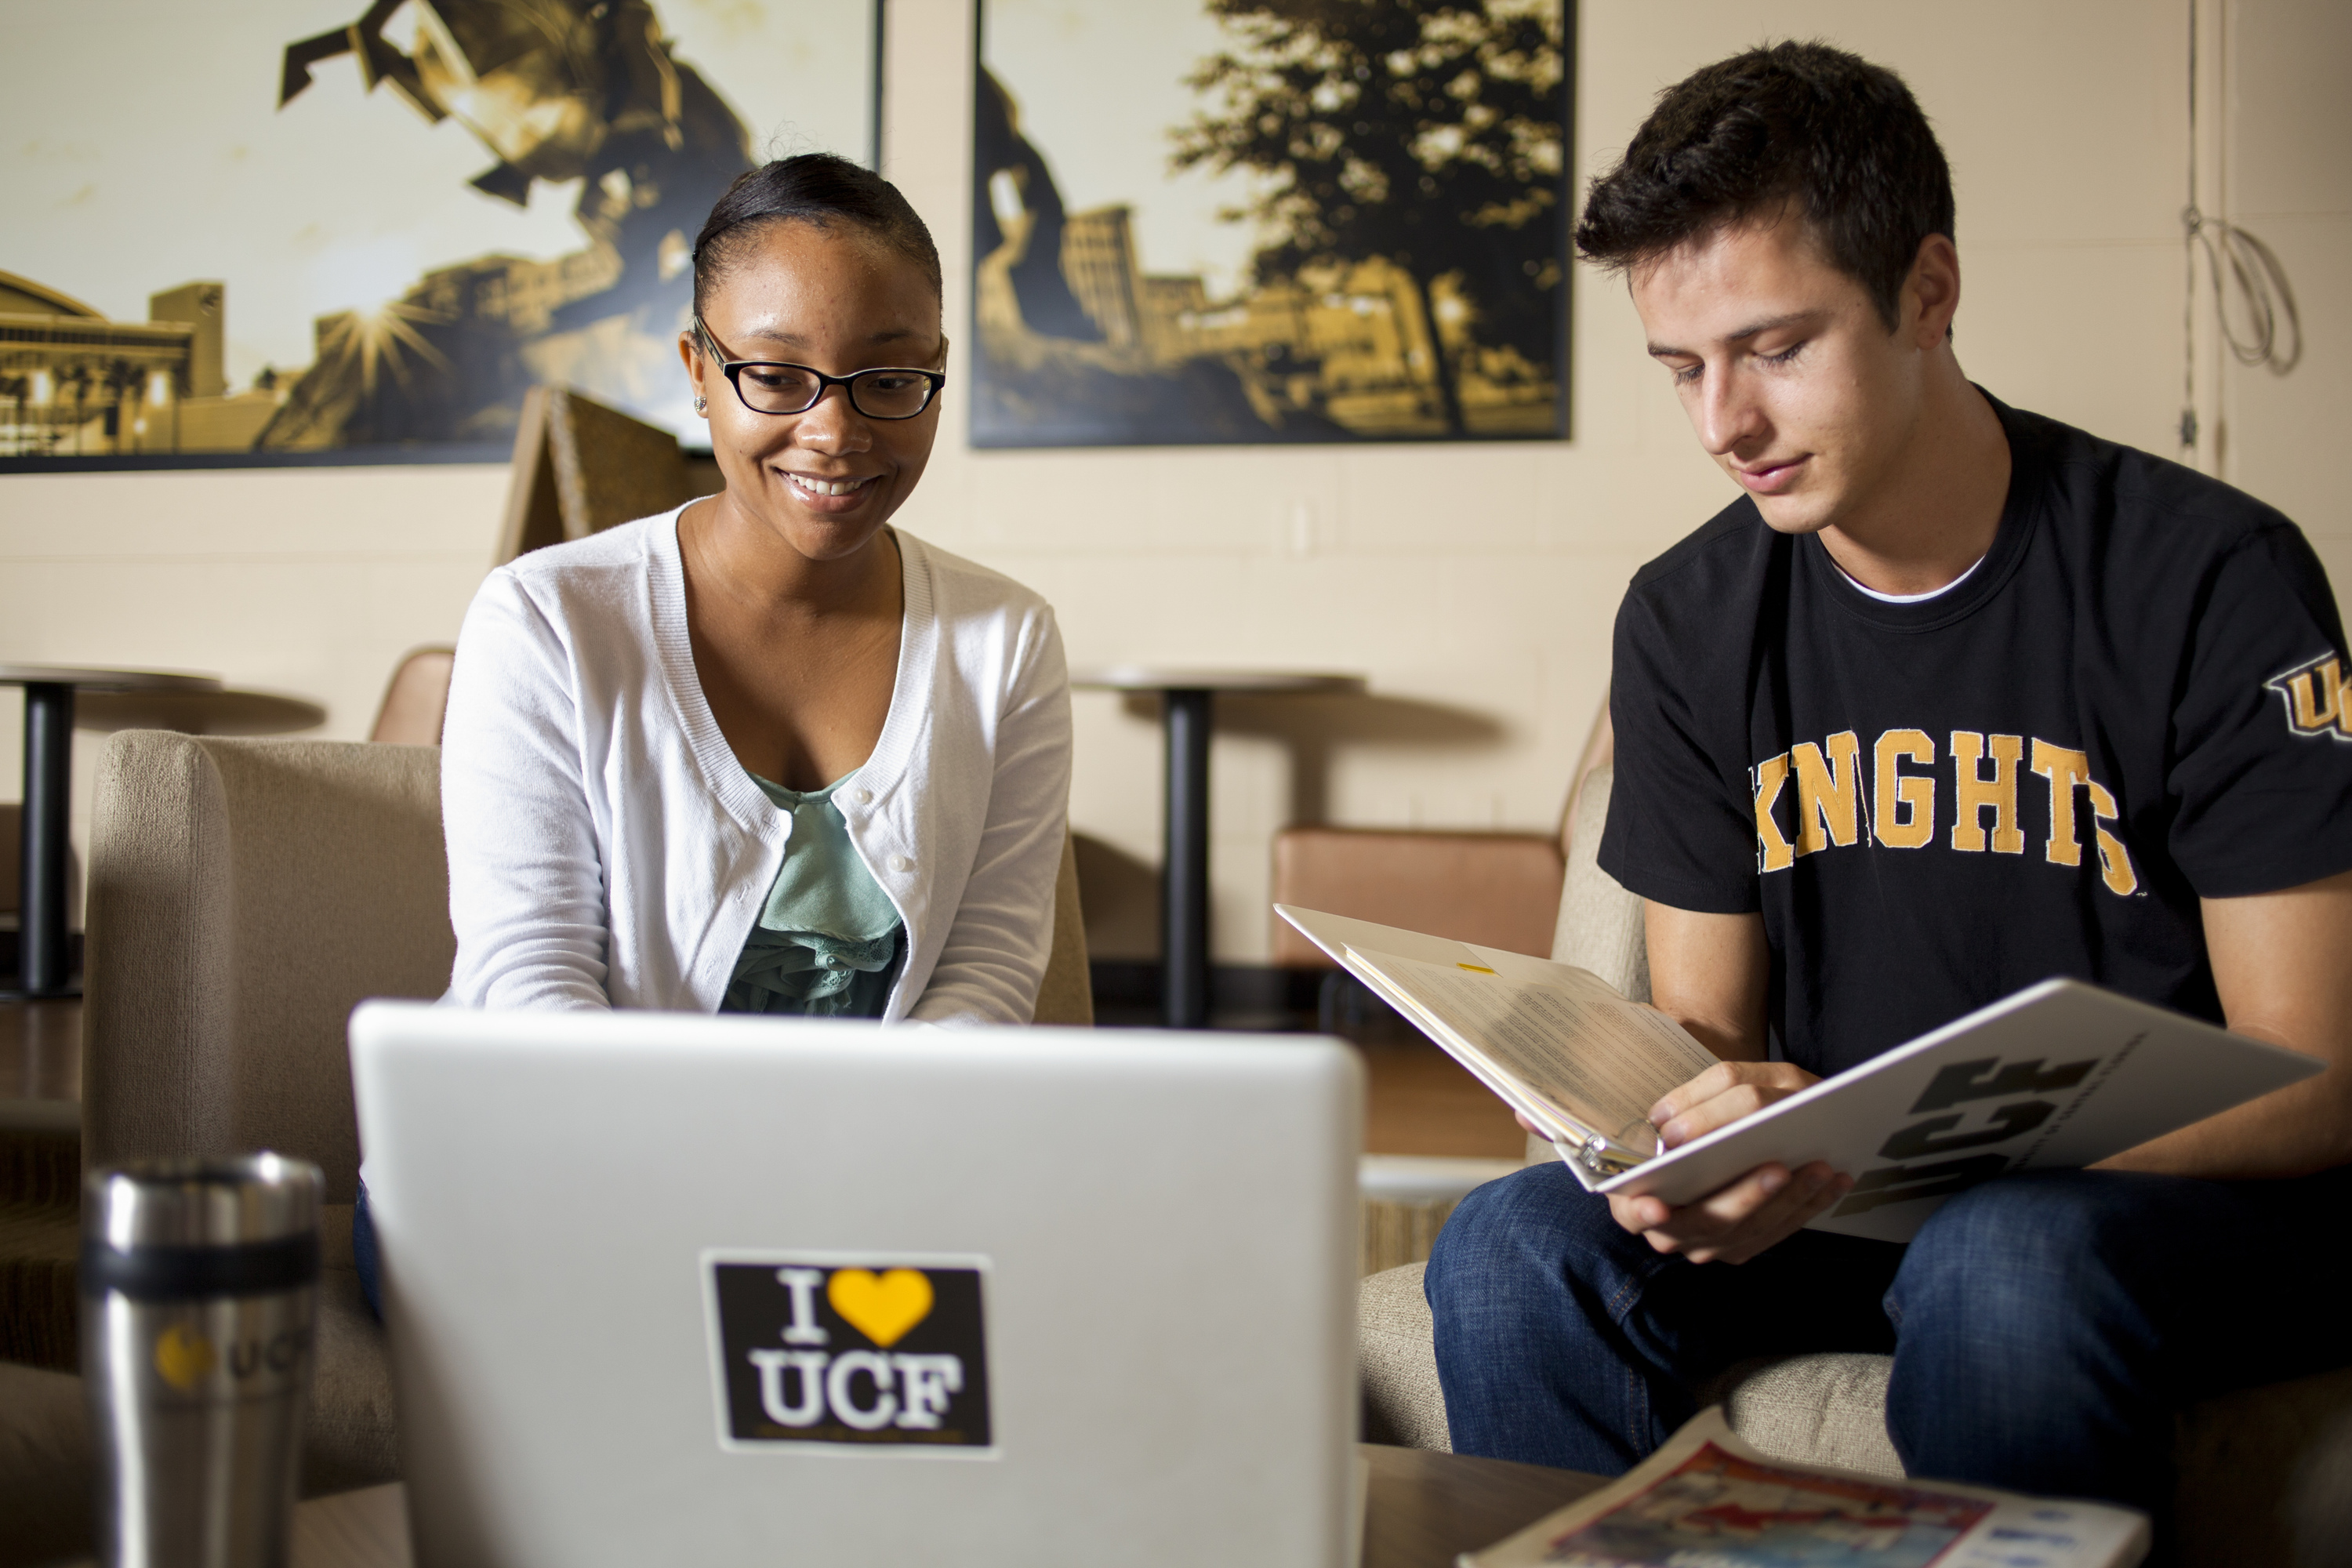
(1561, 1124)
(1605, 1061)
(2056, 1077)
(1557, 1044)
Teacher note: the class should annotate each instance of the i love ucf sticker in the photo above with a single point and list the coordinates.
(871, 1351)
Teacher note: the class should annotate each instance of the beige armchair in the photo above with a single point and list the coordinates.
(2237, 1457)
(244, 897)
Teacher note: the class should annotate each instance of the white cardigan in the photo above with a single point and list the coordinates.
(606, 849)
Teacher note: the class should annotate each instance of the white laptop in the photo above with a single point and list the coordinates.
(674, 1288)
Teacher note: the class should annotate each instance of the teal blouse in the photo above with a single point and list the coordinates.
(829, 942)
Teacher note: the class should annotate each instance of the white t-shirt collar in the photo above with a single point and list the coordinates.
(1909, 598)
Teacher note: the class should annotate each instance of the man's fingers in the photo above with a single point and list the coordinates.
(1729, 1208)
(1639, 1214)
(1681, 1097)
(1718, 1110)
(1702, 1222)
(1738, 1221)
(1788, 1211)
(1721, 1095)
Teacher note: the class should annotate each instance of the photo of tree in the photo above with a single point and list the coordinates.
(307, 229)
(1214, 221)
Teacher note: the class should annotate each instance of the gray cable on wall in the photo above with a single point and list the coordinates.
(2269, 329)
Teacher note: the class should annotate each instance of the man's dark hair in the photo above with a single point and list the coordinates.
(1823, 132)
(814, 188)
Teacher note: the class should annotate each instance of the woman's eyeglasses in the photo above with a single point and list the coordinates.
(768, 386)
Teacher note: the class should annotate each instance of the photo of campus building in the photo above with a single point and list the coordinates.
(1360, 317)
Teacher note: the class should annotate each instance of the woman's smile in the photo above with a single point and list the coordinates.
(830, 497)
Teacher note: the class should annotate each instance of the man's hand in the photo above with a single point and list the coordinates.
(1762, 1208)
(1723, 1094)
(1733, 1223)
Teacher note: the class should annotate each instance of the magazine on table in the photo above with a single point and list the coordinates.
(2056, 1077)
(1707, 1499)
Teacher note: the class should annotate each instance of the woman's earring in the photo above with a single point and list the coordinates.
(700, 407)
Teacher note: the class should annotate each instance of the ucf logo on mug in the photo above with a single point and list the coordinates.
(829, 1348)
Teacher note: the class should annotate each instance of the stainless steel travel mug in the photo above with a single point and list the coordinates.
(199, 1289)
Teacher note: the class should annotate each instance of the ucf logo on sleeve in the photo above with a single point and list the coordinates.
(2319, 698)
(867, 1351)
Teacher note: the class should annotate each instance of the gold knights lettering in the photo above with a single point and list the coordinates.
(1823, 796)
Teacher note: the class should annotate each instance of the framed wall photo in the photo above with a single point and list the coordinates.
(292, 231)
(1214, 221)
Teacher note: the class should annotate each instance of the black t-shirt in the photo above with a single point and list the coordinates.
(2137, 699)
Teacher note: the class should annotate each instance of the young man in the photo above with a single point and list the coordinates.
(1953, 699)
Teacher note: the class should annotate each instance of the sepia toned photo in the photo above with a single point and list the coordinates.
(306, 229)
(1207, 221)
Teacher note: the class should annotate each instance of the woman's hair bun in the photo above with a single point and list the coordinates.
(817, 188)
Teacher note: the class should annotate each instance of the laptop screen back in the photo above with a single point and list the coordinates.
(671, 1288)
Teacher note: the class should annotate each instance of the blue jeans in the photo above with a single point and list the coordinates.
(2044, 1327)
(363, 1254)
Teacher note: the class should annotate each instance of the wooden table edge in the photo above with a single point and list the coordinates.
(1424, 1509)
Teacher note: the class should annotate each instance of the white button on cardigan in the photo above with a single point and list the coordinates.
(594, 812)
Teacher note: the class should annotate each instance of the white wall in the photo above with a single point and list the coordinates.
(1474, 584)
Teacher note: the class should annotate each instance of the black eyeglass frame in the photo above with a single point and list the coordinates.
(733, 369)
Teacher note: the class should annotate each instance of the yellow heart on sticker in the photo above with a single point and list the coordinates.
(881, 1307)
(183, 1357)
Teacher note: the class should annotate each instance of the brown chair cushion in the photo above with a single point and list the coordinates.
(1497, 890)
(417, 700)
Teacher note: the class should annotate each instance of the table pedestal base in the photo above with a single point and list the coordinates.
(1188, 715)
(41, 957)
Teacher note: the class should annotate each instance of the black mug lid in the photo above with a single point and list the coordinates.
(182, 1229)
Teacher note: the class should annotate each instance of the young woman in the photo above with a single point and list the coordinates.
(766, 754)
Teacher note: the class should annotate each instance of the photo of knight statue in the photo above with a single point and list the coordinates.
(555, 90)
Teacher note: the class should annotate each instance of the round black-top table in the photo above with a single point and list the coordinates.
(1188, 702)
(41, 965)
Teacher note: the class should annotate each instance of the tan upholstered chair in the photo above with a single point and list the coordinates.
(2237, 1456)
(1497, 889)
(417, 700)
(244, 896)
